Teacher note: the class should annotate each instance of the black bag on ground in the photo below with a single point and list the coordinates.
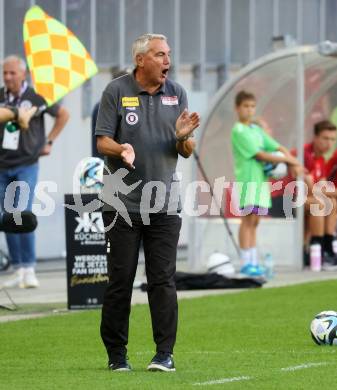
(208, 281)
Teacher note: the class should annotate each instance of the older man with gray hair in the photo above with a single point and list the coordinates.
(142, 126)
(22, 142)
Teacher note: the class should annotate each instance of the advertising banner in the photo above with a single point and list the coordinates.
(86, 255)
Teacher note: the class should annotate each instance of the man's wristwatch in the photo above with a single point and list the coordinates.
(15, 111)
(49, 142)
(185, 138)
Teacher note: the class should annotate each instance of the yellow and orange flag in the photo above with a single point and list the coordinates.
(57, 60)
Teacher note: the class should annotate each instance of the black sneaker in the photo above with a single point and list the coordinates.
(162, 361)
(121, 365)
(329, 262)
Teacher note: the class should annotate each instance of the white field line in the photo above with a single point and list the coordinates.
(224, 380)
(332, 351)
(246, 378)
(303, 366)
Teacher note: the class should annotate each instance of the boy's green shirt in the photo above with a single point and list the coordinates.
(247, 141)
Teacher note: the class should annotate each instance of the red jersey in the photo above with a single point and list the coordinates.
(315, 165)
(331, 169)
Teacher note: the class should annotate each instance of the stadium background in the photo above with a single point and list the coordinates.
(210, 40)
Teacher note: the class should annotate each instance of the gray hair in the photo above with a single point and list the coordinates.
(141, 44)
(18, 59)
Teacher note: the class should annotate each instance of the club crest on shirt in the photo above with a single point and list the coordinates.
(131, 118)
(169, 100)
(26, 104)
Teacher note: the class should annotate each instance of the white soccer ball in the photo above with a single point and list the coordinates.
(323, 328)
(220, 264)
(90, 173)
(276, 171)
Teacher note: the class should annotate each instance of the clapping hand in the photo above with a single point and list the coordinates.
(186, 123)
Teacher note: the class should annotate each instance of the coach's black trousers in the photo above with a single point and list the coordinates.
(160, 240)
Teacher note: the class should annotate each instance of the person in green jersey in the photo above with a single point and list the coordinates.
(252, 148)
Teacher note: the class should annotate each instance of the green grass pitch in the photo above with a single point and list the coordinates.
(257, 339)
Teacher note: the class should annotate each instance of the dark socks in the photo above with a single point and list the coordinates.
(327, 243)
(317, 240)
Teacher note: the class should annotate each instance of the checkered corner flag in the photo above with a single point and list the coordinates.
(57, 60)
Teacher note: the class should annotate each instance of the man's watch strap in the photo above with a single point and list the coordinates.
(15, 111)
(185, 138)
(50, 142)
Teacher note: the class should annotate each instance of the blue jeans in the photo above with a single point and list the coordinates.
(21, 246)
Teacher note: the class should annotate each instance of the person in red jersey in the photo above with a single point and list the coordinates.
(320, 229)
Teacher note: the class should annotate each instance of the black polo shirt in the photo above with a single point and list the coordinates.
(32, 140)
(131, 115)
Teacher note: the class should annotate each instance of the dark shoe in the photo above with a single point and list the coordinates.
(121, 365)
(329, 262)
(162, 361)
(306, 258)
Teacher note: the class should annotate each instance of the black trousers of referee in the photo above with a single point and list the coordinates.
(160, 240)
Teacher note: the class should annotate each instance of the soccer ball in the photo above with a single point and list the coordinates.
(91, 173)
(324, 327)
(220, 264)
(276, 171)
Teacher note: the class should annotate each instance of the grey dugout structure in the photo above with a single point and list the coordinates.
(295, 88)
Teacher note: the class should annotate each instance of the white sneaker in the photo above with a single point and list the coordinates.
(16, 279)
(29, 278)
